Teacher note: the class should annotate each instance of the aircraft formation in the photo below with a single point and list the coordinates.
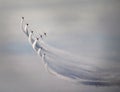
(33, 40)
(62, 64)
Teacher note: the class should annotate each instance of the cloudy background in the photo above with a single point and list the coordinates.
(89, 29)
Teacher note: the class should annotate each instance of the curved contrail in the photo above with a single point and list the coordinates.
(68, 66)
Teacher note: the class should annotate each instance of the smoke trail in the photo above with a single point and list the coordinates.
(68, 66)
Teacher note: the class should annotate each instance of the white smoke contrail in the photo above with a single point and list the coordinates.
(68, 66)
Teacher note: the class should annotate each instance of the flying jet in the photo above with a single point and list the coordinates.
(45, 34)
(22, 17)
(24, 27)
(41, 36)
(34, 44)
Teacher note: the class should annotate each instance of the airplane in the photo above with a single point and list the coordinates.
(41, 36)
(24, 27)
(22, 17)
(45, 34)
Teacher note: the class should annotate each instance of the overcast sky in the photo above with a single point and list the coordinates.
(87, 28)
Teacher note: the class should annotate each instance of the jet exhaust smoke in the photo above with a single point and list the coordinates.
(68, 66)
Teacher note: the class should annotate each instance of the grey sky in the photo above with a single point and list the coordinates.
(88, 28)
